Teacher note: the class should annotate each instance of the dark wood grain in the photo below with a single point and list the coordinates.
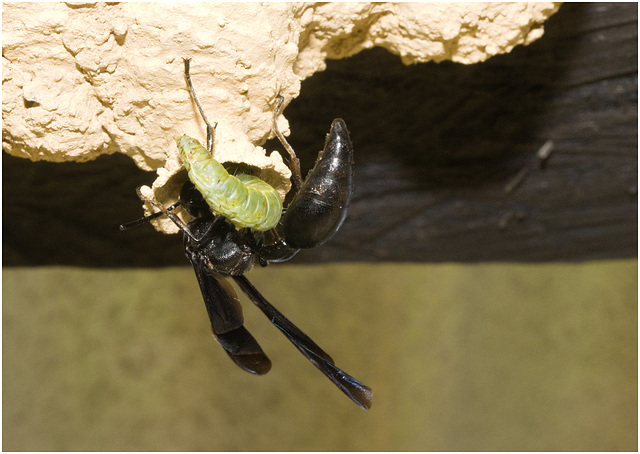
(446, 166)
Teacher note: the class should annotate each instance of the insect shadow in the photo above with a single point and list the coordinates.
(238, 221)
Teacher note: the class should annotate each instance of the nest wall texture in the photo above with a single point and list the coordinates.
(85, 79)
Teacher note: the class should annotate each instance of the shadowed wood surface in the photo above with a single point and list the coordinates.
(446, 160)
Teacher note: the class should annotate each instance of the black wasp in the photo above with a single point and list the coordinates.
(218, 250)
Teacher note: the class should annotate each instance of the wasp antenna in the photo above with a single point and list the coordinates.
(138, 222)
(166, 211)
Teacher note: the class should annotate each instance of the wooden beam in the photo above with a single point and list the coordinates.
(447, 160)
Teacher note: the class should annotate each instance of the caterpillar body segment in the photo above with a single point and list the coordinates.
(245, 200)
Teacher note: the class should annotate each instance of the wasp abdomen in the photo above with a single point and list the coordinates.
(245, 200)
(320, 206)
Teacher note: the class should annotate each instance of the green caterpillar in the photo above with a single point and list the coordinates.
(245, 200)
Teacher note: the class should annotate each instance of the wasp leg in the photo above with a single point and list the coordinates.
(210, 130)
(293, 159)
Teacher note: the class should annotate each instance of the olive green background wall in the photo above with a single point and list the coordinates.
(460, 357)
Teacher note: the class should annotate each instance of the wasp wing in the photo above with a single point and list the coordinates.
(357, 391)
(225, 314)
